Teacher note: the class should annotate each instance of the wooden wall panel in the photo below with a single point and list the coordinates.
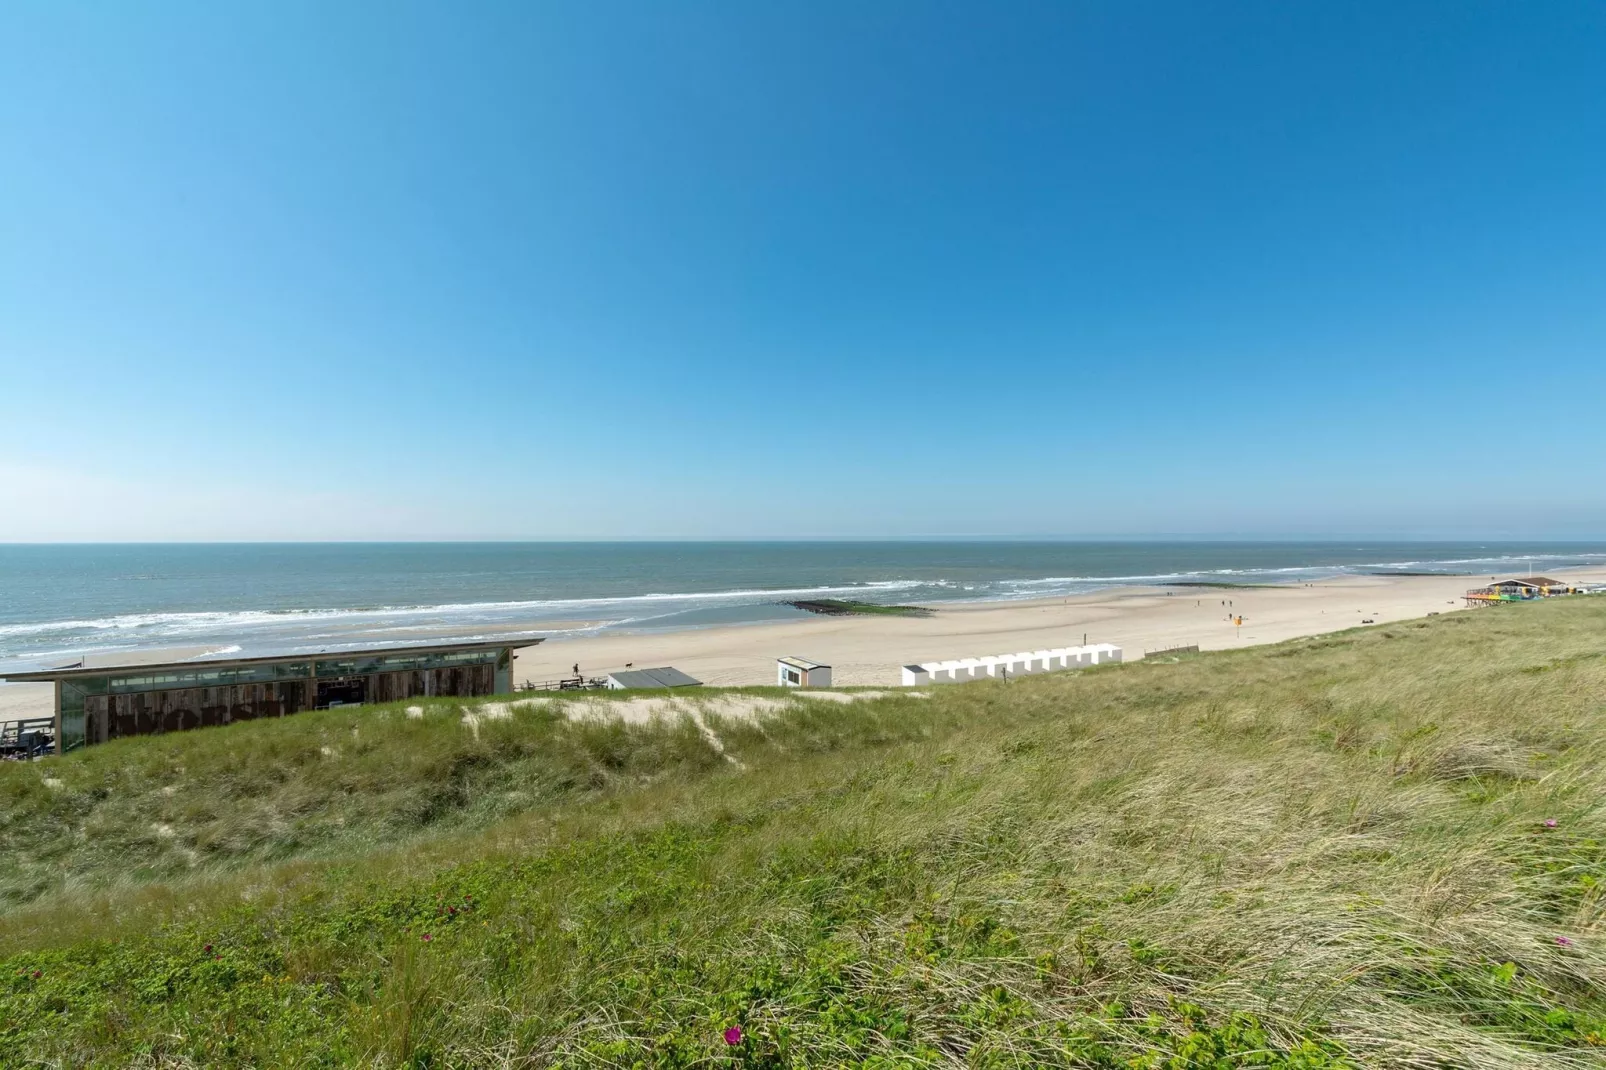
(464, 681)
(108, 717)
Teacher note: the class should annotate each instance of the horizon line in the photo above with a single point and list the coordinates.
(919, 537)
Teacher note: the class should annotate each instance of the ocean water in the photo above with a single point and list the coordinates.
(58, 603)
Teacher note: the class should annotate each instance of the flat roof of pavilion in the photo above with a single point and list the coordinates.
(801, 663)
(663, 676)
(71, 671)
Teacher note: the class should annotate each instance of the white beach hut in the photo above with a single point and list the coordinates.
(801, 672)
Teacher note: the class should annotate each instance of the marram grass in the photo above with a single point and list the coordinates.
(1381, 848)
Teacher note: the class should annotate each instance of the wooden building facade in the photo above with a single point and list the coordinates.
(97, 705)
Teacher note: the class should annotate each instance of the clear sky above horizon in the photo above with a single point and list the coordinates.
(401, 270)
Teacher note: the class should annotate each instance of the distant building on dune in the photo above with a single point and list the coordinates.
(1519, 590)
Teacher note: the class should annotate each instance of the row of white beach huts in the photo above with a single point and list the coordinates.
(999, 666)
(801, 672)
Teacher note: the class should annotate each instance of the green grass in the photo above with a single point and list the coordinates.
(1329, 853)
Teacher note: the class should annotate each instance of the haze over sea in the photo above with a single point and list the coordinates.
(61, 602)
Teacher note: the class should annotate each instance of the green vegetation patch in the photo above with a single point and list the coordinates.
(837, 607)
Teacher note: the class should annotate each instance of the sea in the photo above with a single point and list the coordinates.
(59, 603)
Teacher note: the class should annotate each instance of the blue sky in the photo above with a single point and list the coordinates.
(309, 270)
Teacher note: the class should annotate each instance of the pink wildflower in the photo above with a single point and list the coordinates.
(1550, 822)
(733, 1035)
(427, 938)
(1562, 941)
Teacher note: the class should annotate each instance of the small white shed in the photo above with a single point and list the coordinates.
(801, 672)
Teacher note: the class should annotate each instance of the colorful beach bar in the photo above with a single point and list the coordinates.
(102, 703)
(1519, 590)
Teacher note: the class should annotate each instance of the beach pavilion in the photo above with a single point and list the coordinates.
(1519, 590)
(101, 703)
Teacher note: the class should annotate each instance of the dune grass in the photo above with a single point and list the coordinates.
(1378, 848)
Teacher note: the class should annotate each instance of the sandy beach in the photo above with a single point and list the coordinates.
(869, 650)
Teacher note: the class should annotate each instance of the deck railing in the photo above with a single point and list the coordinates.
(27, 737)
(566, 683)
